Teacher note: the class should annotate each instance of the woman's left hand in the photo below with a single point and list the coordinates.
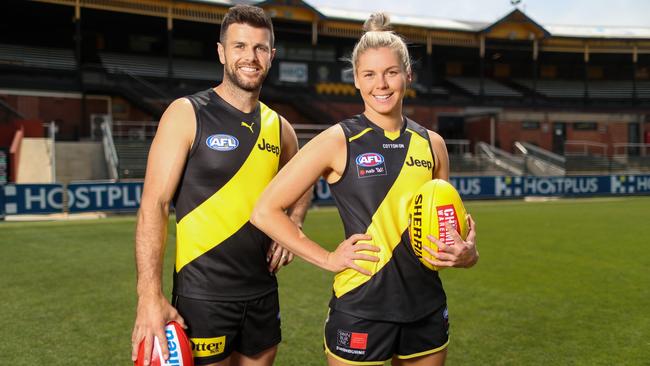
(461, 254)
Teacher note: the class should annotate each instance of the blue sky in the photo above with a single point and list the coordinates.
(625, 13)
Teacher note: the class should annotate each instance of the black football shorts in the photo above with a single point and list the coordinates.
(369, 342)
(217, 328)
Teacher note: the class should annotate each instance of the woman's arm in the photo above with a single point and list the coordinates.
(323, 156)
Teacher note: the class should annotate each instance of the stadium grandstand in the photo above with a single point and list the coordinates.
(83, 82)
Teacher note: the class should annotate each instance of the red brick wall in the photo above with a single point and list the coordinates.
(427, 116)
(607, 133)
(478, 129)
(508, 132)
(288, 112)
(66, 112)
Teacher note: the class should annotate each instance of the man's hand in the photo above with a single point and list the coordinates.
(462, 254)
(348, 251)
(153, 313)
(277, 256)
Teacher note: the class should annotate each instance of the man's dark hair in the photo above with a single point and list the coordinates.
(246, 14)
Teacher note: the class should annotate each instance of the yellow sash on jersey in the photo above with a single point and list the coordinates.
(228, 209)
(391, 218)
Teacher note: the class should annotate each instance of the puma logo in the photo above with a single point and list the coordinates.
(250, 127)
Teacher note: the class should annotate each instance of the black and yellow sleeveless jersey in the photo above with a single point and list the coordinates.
(382, 173)
(220, 255)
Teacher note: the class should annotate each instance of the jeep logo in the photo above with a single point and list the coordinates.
(417, 162)
(275, 149)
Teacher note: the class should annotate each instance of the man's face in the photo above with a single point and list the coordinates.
(246, 54)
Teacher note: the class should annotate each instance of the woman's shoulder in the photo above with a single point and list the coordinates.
(434, 137)
(352, 125)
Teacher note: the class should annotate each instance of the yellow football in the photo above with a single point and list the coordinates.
(433, 205)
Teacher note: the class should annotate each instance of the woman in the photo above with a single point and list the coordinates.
(386, 304)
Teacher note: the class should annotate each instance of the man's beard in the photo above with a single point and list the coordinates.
(247, 85)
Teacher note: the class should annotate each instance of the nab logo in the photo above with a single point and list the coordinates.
(222, 142)
(369, 160)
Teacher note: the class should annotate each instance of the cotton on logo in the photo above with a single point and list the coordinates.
(222, 142)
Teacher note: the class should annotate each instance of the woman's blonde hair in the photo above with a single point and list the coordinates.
(379, 34)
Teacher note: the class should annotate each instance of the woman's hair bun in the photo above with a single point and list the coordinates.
(377, 22)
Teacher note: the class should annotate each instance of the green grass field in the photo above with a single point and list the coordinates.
(559, 283)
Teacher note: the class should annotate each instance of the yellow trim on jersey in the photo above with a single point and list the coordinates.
(228, 209)
(341, 359)
(390, 220)
(394, 135)
(431, 351)
(360, 134)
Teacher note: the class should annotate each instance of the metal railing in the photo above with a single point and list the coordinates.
(110, 153)
(307, 131)
(51, 148)
(457, 146)
(541, 162)
(502, 159)
(584, 148)
(149, 86)
(538, 152)
(134, 130)
(4, 105)
(631, 148)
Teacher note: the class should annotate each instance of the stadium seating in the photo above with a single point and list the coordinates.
(37, 57)
(592, 164)
(336, 89)
(613, 89)
(131, 67)
(638, 164)
(490, 87)
(643, 89)
(157, 67)
(132, 155)
(555, 88)
(468, 164)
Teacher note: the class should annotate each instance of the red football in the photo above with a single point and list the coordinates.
(180, 351)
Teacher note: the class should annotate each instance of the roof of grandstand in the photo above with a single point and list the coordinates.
(556, 30)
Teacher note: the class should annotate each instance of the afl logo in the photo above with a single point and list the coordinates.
(222, 142)
(369, 160)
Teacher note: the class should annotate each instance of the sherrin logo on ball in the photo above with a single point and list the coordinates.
(180, 351)
(435, 204)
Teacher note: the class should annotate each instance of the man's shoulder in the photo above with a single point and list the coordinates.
(200, 98)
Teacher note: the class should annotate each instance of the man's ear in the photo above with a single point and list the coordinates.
(222, 53)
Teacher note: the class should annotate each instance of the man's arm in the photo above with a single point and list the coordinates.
(165, 163)
(278, 256)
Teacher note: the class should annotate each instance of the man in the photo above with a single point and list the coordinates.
(213, 154)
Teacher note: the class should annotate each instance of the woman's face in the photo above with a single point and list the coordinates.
(381, 80)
